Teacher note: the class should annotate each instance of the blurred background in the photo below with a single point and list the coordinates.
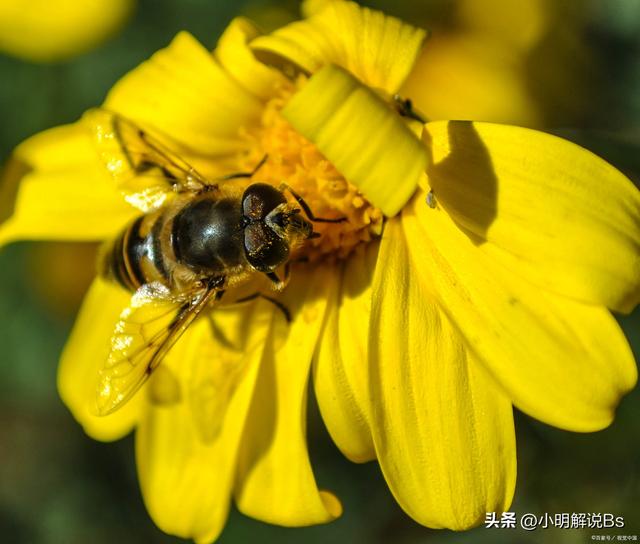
(568, 67)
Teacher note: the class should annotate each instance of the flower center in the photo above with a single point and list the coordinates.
(294, 160)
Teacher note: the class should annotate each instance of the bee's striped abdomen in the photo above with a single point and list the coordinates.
(136, 255)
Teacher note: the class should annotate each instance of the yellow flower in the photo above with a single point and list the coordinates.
(51, 30)
(473, 273)
(507, 62)
(481, 58)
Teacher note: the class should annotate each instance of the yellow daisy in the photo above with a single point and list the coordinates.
(507, 62)
(473, 273)
(481, 56)
(53, 30)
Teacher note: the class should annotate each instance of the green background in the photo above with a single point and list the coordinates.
(59, 486)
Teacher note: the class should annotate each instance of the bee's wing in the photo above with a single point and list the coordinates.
(144, 168)
(146, 331)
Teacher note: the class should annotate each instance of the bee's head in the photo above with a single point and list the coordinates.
(272, 227)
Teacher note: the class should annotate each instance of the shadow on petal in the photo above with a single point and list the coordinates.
(462, 167)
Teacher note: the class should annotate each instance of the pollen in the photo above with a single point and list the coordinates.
(297, 162)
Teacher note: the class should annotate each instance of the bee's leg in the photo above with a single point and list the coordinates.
(277, 303)
(307, 209)
(236, 175)
(279, 284)
(282, 283)
(215, 283)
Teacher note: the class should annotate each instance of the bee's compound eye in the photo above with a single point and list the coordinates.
(259, 199)
(264, 249)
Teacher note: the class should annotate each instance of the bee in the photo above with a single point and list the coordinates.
(194, 239)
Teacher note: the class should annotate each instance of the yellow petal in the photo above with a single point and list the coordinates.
(443, 430)
(50, 30)
(183, 91)
(340, 372)
(552, 211)
(235, 56)
(275, 481)
(56, 187)
(186, 449)
(378, 49)
(360, 135)
(560, 361)
(470, 77)
(83, 356)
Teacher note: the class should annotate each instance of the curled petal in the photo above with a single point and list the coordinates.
(235, 56)
(551, 211)
(564, 362)
(352, 126)
(378, 49)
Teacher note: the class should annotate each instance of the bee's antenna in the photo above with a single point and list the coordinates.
(306, 208)
(235, 175)
(263, 160)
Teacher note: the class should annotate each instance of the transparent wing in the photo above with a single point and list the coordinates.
(146, 331)
(146, 170)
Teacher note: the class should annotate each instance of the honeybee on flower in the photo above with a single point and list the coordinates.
(461, 280)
